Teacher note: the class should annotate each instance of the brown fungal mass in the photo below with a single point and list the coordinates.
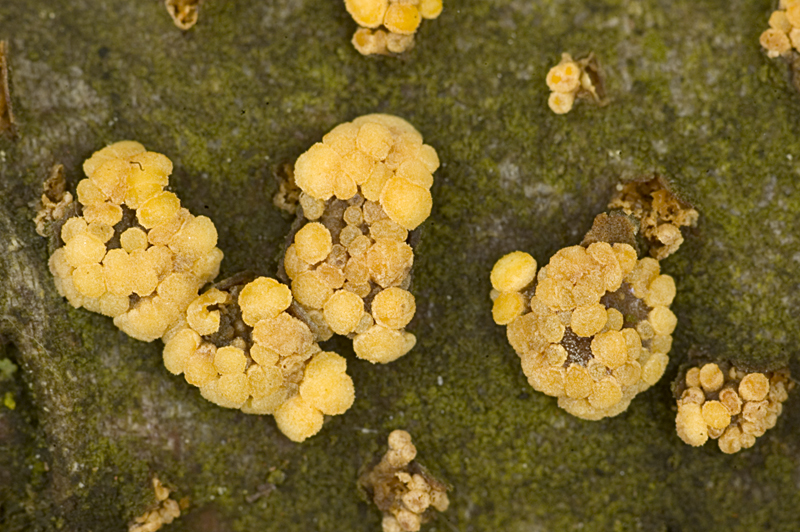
(55, 203)
(660, 213)
(241, 347)
(388, 26)
(593, 328)
(402, 489)
(364, 187)
(133, 253)
(288, 193)
(725, 403)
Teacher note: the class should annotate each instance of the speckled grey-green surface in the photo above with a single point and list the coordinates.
(252, 86)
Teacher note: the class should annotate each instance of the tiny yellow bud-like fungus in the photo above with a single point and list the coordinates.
(722, 402)
(402, 489)
(134, 253)
(571, 79)
(363, 189)
(388, 26)
(239, 344)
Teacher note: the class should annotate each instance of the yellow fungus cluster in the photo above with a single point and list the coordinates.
(364, 187)
(166, 511)
(727, 404)
(242, 348)
(569, 80)
(402, 489)
(388, 26)
(592, 328)
(134, 254)
(784, 29)
(660, 213)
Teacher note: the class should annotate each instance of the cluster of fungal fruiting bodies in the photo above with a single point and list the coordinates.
(243, 350)
(572, 79)
(723, 402)
(660, 214)
(166, 511)
(402, 489)
(388, 26)
(784, 29)
(134, 253)
(364, 187)
(593, 328)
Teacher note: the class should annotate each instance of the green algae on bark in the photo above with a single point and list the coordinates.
(252, 86)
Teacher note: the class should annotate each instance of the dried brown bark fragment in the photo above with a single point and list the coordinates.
(7, 123)
(56, 203)
(614, 228)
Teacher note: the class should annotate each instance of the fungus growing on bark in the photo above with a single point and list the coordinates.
(133, 253)
(725, 403)
(782, 38)
(593, 328)
(55, 203)
(783, 33)
(364, 187)
(388, 26)
(402, 489)
(241, 347)
(571, 79)
(659, 212)
(165, 511)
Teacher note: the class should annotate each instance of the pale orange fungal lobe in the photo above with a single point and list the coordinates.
(754, 387)
(402, 18)
(382, 345)
(507, 307)
(313, 243)
(367, 13)
(513, 272)
(588, 320)
(343, 311)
